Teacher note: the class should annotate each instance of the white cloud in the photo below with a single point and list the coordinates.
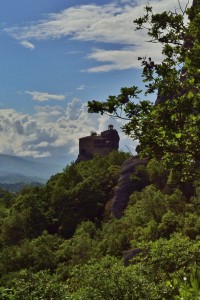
(81, 87)
(123, 59)
(49, 114)
(27, 45)
(109, 23)
(39, 96)
(51, 130)
(112, 23)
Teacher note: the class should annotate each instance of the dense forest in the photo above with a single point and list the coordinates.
(60, 241)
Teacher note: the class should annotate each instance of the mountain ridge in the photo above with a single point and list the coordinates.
(15, 166)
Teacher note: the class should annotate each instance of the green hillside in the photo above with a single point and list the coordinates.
(60, 241)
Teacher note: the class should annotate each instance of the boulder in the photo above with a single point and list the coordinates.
(126, 186)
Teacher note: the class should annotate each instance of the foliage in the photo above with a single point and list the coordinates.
(94, 178)
(61, 204)
(170, 129)
(27, 218)
(6, 198)
(114, 281)
(161, 225)
(157, 173)
(84, 244)
(31, 221)
(27, 285)
(189, 287)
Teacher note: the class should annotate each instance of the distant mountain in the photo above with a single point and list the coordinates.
(12, 178)
(17, 187)
(15, 169)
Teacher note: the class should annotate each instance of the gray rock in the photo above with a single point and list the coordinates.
(129, 256)
(125, 186)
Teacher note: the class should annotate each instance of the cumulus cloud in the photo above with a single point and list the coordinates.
(109, 23)
(27, 45)
(39, 96)
(51, 130)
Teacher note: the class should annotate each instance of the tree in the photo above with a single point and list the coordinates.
(28, 285)
(168, 130)
(114, 281)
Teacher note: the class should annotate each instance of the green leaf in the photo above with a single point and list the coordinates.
(178, 135)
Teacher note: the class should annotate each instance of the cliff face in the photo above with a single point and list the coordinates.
(134, 177)
(126, 186)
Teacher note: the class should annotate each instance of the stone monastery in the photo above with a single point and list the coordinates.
(103, 144)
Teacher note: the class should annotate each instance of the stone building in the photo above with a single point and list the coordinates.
(103, 144)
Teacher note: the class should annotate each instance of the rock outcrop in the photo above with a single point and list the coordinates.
(126, 186)
(129, 256)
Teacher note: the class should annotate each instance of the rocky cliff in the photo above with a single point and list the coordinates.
(130, 180)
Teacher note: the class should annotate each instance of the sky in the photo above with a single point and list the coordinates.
(55, 55)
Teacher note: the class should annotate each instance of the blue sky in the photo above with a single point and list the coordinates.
(56, 55)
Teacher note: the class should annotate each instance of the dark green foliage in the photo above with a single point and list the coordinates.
(160, 222)
(62, 204)
(27, 217)
(37, 254)
(31, 221)
(94, 178)
(6, 198)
